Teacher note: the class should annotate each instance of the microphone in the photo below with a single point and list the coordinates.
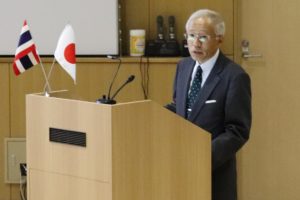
(111, 100)
(171, 20)
(160, 29)
(130, 79)
(104, 99)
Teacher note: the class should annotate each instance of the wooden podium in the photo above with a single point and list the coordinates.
(78, 150)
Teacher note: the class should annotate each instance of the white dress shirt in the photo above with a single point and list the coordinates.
(206, 68)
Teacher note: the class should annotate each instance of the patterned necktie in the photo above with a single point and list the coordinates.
(195, 89)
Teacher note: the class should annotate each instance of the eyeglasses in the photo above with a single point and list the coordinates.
(202, 38)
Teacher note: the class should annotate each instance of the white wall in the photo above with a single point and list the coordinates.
(95, 23)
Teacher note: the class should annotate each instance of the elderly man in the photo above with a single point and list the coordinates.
(214, 93)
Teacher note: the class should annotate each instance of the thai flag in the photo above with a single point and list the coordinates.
(26, 55)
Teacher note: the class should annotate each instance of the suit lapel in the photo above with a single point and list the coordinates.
(210, 84)
(186, 77)
(205, 93)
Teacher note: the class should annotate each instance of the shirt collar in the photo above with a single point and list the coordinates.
(209, 64)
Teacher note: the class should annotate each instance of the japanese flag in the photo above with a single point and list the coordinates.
(65, 51)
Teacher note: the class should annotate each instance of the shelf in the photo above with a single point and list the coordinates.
(126, 59)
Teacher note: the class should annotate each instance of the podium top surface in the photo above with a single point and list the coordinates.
(65, 95)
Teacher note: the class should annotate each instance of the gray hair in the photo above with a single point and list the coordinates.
(216, 20)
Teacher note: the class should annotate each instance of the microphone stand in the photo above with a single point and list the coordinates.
(108, 100)
(105, 100)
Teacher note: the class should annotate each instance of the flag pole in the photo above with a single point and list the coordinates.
(49, 74)
(46, 92)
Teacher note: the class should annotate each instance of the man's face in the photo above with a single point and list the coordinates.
(202, 40)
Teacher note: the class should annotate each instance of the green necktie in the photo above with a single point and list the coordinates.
(195, 89)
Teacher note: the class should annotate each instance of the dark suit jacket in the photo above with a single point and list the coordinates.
(228, 119)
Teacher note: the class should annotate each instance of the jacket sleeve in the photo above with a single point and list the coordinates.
(237, 121)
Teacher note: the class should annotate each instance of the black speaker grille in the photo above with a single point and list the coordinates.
(67, 137)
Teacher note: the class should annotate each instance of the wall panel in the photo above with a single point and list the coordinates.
(142, 14)
(4, 126)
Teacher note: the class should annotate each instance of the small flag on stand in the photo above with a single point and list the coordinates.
(65, 51)
(26, 55)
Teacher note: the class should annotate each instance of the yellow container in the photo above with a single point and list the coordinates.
(137, 42)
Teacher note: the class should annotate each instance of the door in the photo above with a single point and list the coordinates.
(268, 166)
